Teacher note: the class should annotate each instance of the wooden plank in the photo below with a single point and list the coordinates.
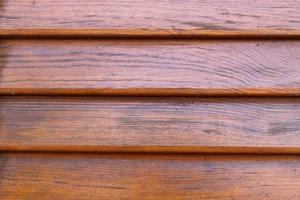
(181, 125)
(127, 67)
(88, 177)
(152, 17)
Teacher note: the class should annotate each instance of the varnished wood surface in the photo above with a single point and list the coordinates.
(186, 68)
(150, 15)
(95, 124)
(89, 177)
(92, 132)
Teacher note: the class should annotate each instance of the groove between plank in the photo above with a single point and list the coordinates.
(147, 34)
(156, 92)
(153, 149)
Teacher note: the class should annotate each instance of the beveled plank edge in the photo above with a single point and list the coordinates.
(164, 92)
(152, 149)
(146, 34)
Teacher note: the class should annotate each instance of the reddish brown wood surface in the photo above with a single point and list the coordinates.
(150, 124)
(150, 67)
(151, 15)
(89, 177)
(177, 146)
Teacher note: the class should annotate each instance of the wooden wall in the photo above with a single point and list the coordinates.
(149, 99)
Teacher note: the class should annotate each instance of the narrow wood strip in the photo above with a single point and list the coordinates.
(147, 34)
(91, 177)
(145, 68)
(157, 125)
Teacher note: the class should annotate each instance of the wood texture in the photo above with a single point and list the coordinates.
(89, 177)
(116, 142)
(150, 15)
(182, 125)
(156, 67)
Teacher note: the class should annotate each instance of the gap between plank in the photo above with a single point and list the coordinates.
(156, 92)
(146, 34)
(152, 149)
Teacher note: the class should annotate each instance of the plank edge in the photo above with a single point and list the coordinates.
(180, 92)
(152, 149)
(148, 33)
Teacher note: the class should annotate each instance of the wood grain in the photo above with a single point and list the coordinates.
(116, 142)
(152, 15)
(89, 177)
(132, 67)
(179, 125)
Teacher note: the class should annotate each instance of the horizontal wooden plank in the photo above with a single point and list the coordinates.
(186, 68)
(113, 17)
(182, 125)
(88, 177)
